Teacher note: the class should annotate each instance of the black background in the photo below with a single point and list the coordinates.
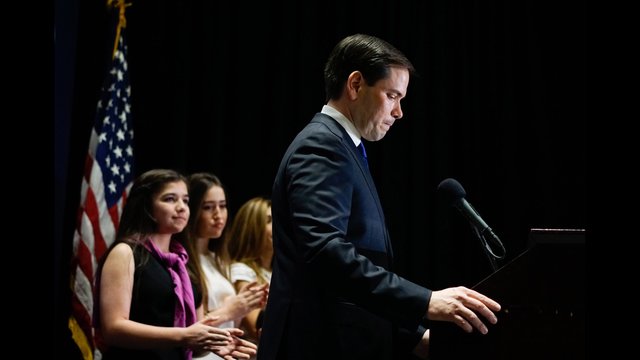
(500, 104)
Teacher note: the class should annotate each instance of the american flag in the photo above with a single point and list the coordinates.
(108, 177)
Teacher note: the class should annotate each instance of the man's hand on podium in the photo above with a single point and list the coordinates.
(460, 306)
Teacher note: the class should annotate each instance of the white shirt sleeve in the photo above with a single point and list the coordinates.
(242, 272)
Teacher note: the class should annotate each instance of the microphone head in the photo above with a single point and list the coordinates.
(451, 191)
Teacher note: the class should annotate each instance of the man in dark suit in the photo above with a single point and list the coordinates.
(332, 295)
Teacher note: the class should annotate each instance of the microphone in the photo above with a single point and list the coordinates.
(454, 194)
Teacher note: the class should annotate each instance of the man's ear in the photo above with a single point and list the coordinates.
(354, 83)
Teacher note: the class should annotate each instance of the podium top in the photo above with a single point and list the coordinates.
(551, 272)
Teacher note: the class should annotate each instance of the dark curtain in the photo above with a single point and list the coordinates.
(500, 104)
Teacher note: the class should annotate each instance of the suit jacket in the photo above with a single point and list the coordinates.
(331, 294)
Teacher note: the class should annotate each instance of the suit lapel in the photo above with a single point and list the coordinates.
(336, 128)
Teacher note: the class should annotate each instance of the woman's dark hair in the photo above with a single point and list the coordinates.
(199, 184)
(137, 222)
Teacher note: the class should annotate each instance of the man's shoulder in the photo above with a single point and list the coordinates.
(322, 126)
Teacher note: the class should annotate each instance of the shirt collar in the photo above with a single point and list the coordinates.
(354, 134)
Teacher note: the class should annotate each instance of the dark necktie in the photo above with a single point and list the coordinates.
(363, 152)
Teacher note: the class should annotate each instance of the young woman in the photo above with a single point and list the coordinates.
(251, 250)
(206, 227)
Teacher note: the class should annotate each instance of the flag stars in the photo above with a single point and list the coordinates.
(115, 170)
(115, 133)
(112, 187)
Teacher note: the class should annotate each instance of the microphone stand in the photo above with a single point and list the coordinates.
(482, 236)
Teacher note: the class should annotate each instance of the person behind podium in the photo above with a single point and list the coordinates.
(333, 294)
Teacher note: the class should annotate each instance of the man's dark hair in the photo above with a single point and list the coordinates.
(365, 53)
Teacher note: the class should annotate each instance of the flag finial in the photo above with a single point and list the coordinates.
(122, 20)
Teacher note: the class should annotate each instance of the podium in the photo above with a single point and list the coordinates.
(542, 293)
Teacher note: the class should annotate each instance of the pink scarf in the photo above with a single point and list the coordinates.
(176, 262)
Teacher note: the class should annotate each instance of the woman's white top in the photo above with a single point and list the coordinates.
(242, 272)
(218, 287)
